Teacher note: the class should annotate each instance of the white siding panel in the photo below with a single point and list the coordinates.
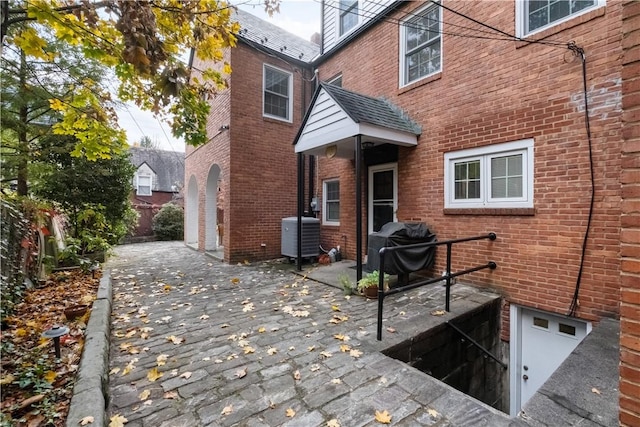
(368, 9)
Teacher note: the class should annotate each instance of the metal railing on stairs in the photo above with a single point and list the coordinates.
(448, 276)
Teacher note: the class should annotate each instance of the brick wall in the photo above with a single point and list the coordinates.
(256, 157)
(499, 91)
(630, 238)
(147, 207)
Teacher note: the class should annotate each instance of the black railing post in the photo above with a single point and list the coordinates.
(380, 292)
(448, 274)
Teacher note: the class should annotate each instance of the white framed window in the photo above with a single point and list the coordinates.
(143, 185)
(348, 16)
(336, 81)
(421, 44)
(331, 202)
(496, 176)
(537, 15)
(277, 100)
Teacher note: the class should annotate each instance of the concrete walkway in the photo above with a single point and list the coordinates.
(195, 342)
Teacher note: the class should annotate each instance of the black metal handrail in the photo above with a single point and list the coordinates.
(448, 274)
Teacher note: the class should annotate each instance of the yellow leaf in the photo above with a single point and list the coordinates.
(117, 421)
(271, 351)
(311, 348)
(383, 417)
(20, 332)
(290, 413)
(50, 376)
(262, 330)
(341, 337)
(7, 380)
(248, 350)
(131, 333)
(433, 413)
(438, 313)
(344, 348)
(335, 307)
(153, 374)
(175, 340)
(235, 280)
(144, 395)
(333, 423)
(86, 420)
(227, 410)
(166, 288)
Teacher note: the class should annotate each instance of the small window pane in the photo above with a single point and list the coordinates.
(332, 201)
(544, 12)
(540, 322)
(467, 185)
(567, 329)
(144, 186)
(276, 93)
(506, 176)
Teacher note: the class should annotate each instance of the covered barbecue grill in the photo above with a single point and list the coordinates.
(406, 261)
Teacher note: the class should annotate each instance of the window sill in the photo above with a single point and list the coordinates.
(555, 29)
(419, 83)
(279, 121)
(331, 224)
(491, 211)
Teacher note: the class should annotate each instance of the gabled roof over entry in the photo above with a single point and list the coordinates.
(336, 115)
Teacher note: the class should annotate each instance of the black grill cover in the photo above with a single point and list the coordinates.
(399, 234)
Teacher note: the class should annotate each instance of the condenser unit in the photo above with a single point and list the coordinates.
(310, 237)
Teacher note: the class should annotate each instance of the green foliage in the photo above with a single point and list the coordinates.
(168, 223)
(368, 280)
(346, 283)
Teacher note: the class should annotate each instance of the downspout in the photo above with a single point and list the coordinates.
(321, 28)
(358, 208)
(300, 208)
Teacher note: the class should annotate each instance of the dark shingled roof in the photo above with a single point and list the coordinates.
(263, 33)
(167, 165)
(375, 111)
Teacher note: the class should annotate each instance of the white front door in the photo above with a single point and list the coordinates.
(383, 195)
(542, 342)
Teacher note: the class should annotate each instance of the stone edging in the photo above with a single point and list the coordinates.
(90, 392)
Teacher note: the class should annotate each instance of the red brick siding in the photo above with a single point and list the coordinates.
(147, 207)
(630, 233)
(256, 156)
(492, 92)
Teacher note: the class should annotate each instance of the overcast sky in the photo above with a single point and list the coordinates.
(300, 17)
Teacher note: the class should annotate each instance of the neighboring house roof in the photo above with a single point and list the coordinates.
(167, 165)
(259, 32)
(336, 115)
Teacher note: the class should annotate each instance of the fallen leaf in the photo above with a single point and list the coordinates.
(355, 353)
(175, 340)
(162, 359)
(86, 420)
(224, 325)
(186, 375)
(311, 348)
(248, 349)
(7, 380)
(153, 374)
(314, 368)
(144, 395)
(333, 423)
(325, 354)
(290, 413)
(166, 288)
(235, 280)
(296, 375)
(341, 337)
(595, 390)
(131, 333)
(262, 329)
(227, 410)
(438, 313)
(336, 381)
(171, 395)
(271, 351)
(335, 307)
(433, 413)
(241, 373)
(383, 417)
(50, 376)
(344, 348)
(204, 317)
(117, 421)
(391, 330)
(248, 307)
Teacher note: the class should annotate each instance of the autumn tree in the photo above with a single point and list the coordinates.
(142, 42)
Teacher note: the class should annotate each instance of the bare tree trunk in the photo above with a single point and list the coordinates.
(23, 142)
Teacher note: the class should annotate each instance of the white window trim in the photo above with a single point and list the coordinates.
(401, 78)
(524, 146)
(521, 18)
(138, 185)
(338, 20)
(325, 221)
(289, 119)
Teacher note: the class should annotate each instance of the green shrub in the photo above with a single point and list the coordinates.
(168, 223)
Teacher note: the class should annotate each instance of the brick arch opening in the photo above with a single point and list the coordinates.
(213, 230)
(191, 213)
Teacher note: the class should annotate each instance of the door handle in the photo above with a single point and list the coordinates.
(525, 377)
